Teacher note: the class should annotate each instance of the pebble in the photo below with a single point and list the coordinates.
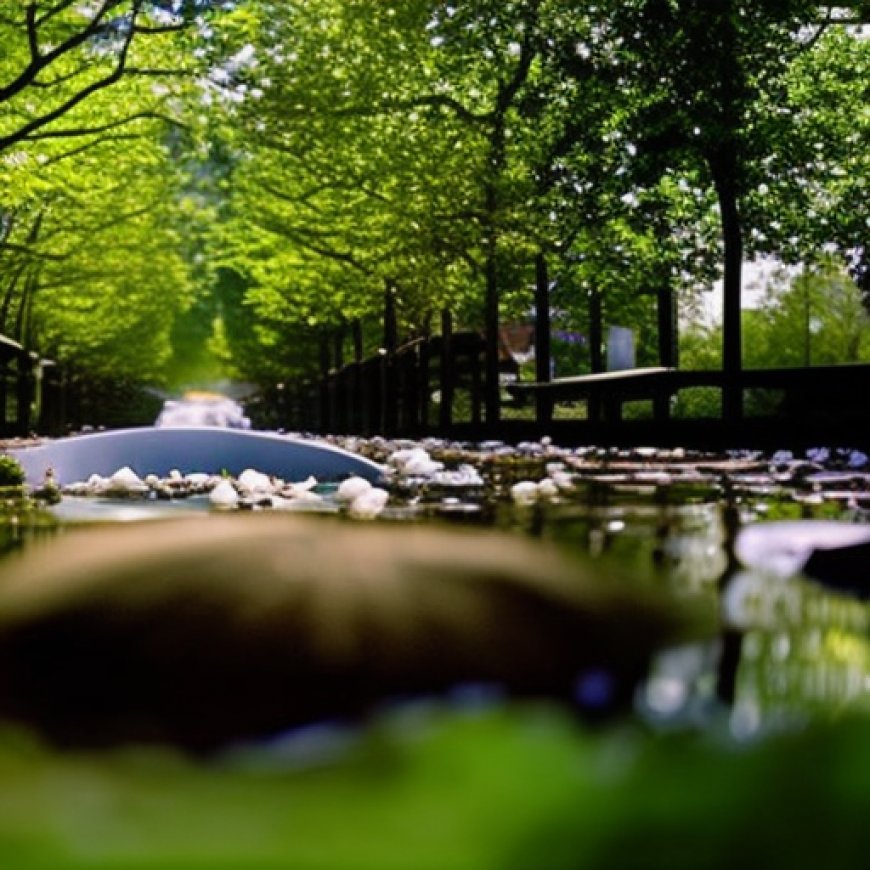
(525, 492)
(224, 495)
(252, 481)
(369, 504)
(530, 472)
(548, 488)
(352, 488)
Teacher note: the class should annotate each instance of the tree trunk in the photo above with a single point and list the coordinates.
(544, 407)
(724, 170)
(491, 387)
(666, 314)
(724, 162)
(596, 332)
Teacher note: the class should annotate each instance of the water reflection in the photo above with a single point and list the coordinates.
(795, 649)
(114, 510)
(805, 650)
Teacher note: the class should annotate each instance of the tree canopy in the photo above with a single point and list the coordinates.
(261, 171)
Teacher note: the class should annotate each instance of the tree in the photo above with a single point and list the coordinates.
(810, 316)
(81, 280)
(334, 149)
(393, 168)
(58, 54)
(85, 88)
(102, 199)
(808, 201)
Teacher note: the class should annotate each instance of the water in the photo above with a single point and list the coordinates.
(789, 649)
(202, 409)
(740, 745)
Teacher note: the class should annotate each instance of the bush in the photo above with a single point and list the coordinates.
(698, 403)
(11, 472)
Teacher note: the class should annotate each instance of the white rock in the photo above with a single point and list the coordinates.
(525, 492)
(152, 480)
(548, 488)
(300, 488)
(96, 483)
(224, 495)
(126, 475)
(255, 481)
(307, 497)
(422, 467)
(562, 479)
(398, 458)
(783, 547)
(198, 478)
(465, 475)
(369, 504)
(125, 480)
(350, 489)
(296, 501)
(415, 461)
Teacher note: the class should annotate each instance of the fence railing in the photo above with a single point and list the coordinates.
(434, 386)
(32, 394)
(425, 385)
(40, 397)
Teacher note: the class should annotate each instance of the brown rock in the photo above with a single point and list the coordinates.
(198, 631)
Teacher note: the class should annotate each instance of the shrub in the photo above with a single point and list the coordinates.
(11, 472)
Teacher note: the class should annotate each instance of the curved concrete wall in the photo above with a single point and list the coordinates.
(204, 449)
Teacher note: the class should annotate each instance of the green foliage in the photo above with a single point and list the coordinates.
(95, 259)
(815, 317)
(11, 472)
(808, 195)
(319, 151)
(698, 403)
(514, 788)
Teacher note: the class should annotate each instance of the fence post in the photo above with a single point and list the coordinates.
(4, 392)
(389, 405)
(423, 385)
(323, 423)
(445, 372)
(666, 313)
(596, 357)
(543, 403)
(356, 397)
(339, 383)
(25, 390)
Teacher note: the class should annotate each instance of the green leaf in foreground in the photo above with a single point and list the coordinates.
(426, 788)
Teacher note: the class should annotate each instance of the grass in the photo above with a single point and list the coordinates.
(428, 788)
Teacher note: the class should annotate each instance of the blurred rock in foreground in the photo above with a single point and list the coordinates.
(206, 630)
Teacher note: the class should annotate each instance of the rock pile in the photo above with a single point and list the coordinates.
(251, 490)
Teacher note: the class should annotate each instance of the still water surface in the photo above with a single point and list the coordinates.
(788, 649)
